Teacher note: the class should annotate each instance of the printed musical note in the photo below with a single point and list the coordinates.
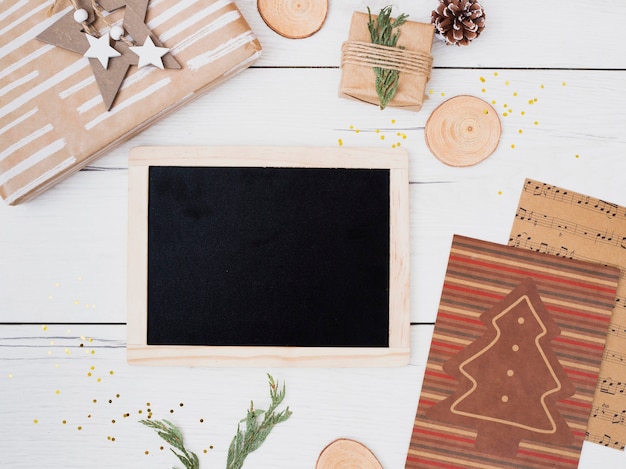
(617, 330)
(522, 240)
(604, 440)
(620, 302)
(609, 209)
(609, 415)
(567, 224)
(612, 387)
(562, 225)
(614, 357)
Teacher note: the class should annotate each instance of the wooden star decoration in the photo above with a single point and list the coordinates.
(149, 54)
(100, 48)
(69, 34)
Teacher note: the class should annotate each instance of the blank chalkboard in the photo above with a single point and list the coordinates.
(268, 256)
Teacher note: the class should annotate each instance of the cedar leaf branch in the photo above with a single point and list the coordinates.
(385, 31)
(172, 434)
(246, 440)
(256, 430)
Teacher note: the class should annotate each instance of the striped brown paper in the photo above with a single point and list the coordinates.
(514, 359)
(53, 120)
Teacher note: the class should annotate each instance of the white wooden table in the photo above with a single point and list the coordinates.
(65, 386)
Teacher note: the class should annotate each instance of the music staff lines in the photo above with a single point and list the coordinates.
(608, 415)
(522, 240)
(548, 221)
(548, 191)
(614, 357)
(617, 330)
(611, 387)
(604, 440)
(620, 302)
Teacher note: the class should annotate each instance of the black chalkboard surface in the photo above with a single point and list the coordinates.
(267, 256)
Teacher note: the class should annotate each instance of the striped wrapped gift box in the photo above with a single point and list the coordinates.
(578, 298)
(52, 117)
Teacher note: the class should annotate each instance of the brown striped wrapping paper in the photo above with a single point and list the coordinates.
(578, 297)
(52, 119)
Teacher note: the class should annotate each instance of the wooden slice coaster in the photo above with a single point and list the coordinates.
(294, 19)
(347, 454)
(463, 131)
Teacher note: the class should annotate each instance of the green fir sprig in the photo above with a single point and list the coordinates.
(245, 441)
(385, 31)
(172, 434)
(249, 439)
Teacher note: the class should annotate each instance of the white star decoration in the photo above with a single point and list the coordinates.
(100, 48)
(149, 54)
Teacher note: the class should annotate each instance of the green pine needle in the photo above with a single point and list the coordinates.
(244, 442)
(382, 33)
(172, 435)
(255, 432)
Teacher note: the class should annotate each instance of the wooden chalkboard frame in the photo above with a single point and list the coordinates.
(395, 160)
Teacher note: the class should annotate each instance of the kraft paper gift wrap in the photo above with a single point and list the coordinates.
(358, 79)
(53, 120)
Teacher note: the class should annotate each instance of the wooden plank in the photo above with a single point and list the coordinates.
(273, 156)
(137, 254)
(399, 253)
(535, 36)
(327, 404)
(75, 234)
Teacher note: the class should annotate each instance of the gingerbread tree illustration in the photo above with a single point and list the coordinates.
(509, 379)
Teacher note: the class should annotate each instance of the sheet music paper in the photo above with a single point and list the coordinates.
(568, 224)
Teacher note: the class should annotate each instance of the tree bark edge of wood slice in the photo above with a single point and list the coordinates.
(347, 454)
(294, 19)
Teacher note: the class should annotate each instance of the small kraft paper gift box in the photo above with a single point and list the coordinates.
(66, 98)
(412, 58)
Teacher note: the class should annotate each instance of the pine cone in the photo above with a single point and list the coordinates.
(458, 22)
